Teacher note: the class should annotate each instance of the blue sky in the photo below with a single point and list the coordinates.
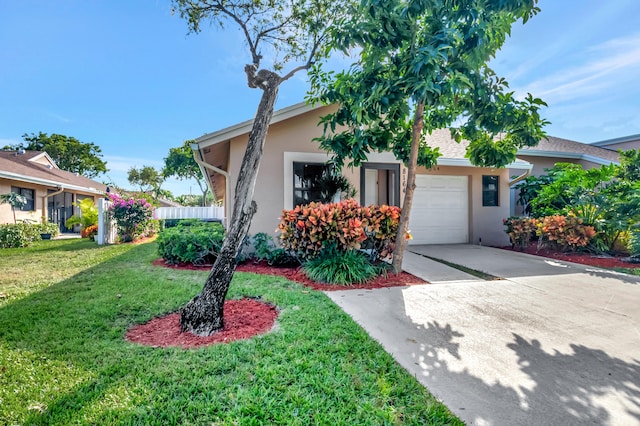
(125, 75)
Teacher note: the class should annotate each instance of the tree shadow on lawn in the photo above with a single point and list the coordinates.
(80, 323)
(580, 386)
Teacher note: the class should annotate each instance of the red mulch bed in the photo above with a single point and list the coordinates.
(243, 319)
(296, 274)
(598, 261)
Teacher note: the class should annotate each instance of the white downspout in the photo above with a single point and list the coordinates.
(227, 180)
(528, 168)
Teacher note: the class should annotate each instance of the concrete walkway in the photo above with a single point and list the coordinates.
(554, 343)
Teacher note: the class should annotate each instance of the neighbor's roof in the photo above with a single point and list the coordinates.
(623, 139)
(565, 148)
(36, 167)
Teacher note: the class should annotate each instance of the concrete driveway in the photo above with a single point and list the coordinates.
(553, 343)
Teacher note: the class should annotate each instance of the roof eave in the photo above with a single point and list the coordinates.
(464, 162)
(46, 182)
(571, 155)
(245, 127)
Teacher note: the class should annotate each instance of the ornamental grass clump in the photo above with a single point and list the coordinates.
(133, 216)
(334, 266)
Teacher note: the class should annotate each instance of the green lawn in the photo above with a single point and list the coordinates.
(63, 359)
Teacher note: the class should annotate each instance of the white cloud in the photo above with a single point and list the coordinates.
(607, 66)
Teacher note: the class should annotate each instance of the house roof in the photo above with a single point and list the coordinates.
(37, 167)
(624, 139)
(453, 153)
(565, 148)
(245, 127)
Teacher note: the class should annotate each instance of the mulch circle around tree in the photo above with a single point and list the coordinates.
(243, 319)
(589, 259)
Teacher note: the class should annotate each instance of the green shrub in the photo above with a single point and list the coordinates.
(195, 244)
(265, 249)
(634, 243)
(88, 214)
(172, 223)
(47, 228)
(334, 266)
(19, 234)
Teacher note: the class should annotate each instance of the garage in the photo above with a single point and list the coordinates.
(440, 211)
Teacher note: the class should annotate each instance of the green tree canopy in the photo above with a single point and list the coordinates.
(147, 178)
(422, 65)
(181, 164)
(68, 152)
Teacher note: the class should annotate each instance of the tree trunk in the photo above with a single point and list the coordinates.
(203, 315)
(401, 238)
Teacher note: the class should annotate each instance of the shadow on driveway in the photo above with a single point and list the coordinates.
(493, 364)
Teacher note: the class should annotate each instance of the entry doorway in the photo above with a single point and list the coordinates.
(380, 184)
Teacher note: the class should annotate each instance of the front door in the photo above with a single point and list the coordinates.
(380, 184)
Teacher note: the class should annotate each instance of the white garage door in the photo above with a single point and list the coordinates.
(440, 211)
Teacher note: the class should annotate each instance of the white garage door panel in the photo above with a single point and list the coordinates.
(440, 210)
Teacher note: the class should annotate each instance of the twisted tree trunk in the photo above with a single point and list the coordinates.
(203, 315)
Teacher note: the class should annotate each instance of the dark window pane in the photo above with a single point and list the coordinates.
(27, 193)
(490, 191)
(306, 177)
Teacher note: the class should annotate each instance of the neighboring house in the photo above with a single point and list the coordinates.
(624, 143)
(50, 192)
(554, 150)
(454, 202)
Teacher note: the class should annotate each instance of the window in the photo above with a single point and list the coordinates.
(490, 190)
(306, 179)
(28, 194)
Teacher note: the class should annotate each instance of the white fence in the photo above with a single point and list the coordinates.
(107, 231)
(190, 213)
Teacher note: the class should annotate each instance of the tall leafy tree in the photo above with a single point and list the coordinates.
(181, 164)
(422, 66)
(70, 154)
(292, 34)
(147, 178)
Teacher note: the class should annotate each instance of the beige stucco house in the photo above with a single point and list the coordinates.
(50, 192)
(455, 202)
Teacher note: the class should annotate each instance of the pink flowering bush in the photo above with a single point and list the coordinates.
(133, 216)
